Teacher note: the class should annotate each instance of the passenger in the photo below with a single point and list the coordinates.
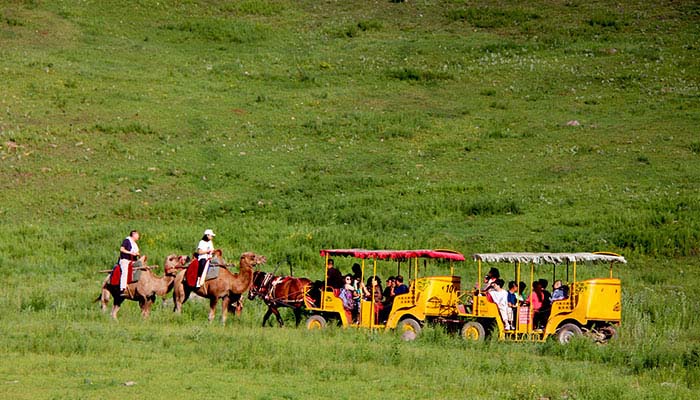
(388, 296)
(358, 287)
(561, 292)
(347, 296)
(490, 279)
(334, 278)
(521, 292)
(400, 288)
(500, 297)
(512, 302)
(357, 271)
(547, 295)
(374, 293)
(535, 301)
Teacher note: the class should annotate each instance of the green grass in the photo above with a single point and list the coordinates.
(293, 126)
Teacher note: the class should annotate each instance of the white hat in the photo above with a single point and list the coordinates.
(209, 232)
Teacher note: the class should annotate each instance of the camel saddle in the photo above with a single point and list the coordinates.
(132, 275)
(191, 273)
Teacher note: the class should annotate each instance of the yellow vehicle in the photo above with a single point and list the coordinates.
(592, 306)
(428, 299)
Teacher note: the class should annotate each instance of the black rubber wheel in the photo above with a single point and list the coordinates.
(473, 330)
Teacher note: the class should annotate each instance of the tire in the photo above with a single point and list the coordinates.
(409, 329)
(474, 331)
(568, 331)
(315, 322)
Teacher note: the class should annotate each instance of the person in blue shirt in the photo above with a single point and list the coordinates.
(400, 287)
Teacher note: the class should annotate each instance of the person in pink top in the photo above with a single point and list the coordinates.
(536, 300)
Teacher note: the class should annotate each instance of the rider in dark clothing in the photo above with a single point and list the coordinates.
(334, 278)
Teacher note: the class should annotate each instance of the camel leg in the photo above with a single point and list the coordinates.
(179, 298)
(146, 307)
(212, 308)
(104, 299)
(118, 300)
(224, 309)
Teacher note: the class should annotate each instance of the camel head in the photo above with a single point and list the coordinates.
(251, 260)
(172, 263)
(217, 257)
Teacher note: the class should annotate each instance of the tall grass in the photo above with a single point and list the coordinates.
(293, 126)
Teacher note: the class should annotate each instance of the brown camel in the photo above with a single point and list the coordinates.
(227, 286)
(146, 289)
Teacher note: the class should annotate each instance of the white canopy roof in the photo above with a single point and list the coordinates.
(549, 258)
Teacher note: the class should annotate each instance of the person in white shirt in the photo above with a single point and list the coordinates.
(500, 297)
(205, 248)
(128, 252)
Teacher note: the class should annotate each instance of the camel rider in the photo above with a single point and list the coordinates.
(128, 252)
(205, 248)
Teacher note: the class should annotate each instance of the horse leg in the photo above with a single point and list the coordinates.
(212, 308)
(267, 315)
(276, 311)
(297, 315)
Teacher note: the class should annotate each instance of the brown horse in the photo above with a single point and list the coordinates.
(278, 291)
(145, 289)
(227, 286)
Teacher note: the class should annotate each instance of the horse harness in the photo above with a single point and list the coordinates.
(266, 290)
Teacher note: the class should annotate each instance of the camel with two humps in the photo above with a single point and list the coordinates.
(146, 289)
(227, 287)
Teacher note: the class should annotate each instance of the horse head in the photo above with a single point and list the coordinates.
(260, 285)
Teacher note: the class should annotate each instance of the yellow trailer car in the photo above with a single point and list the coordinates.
(590, 307)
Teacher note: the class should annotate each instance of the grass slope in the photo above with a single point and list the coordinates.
(289, 126)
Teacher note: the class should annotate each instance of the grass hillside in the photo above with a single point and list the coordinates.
(291, 126)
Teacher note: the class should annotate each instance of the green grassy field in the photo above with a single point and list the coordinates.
(291, 126)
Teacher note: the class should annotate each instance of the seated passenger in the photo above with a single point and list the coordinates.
(374, 294)
(347, 296)
(512, 302)
(333, 276)
(400, 288)
(547, 296)
(500, 297)
(561, 292)
(536, 301)
(490, 279)
(388, 296)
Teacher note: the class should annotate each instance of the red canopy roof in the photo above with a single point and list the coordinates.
(394, 254)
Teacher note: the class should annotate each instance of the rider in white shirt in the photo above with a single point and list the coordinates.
(128, 252)
(205, 248)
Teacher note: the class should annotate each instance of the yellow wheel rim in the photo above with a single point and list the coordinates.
(471, 333)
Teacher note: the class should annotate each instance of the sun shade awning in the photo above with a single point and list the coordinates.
(549, 258)
(394, 254)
